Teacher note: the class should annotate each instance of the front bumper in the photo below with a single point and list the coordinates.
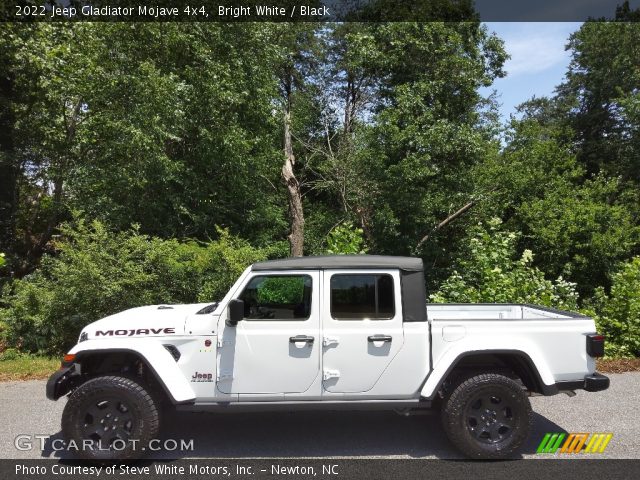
(60, 382)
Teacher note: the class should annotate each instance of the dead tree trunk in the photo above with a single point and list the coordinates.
(296, 213)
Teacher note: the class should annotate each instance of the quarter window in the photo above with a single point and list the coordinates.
(358, 297)
(281, 297)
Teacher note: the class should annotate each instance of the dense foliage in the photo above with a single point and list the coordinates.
(150, 163)
(97, 272)
(491, 272)
(346, 239)
(618, 312)
(281, 290)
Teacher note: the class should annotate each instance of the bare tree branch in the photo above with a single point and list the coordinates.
(458, 213)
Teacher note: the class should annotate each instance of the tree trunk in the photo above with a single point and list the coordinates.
(296, 214)
(353, 101)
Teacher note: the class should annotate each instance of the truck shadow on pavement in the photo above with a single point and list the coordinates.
(313, 434)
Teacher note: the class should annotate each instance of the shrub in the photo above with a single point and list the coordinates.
(96, 272)
(492, 272)
(618, 313)
(9, 354)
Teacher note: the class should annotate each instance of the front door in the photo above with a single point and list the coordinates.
(362, 327)
(276, 347)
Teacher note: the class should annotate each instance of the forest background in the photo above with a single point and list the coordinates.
(145, 163)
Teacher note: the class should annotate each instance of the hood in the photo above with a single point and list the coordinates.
(152, 320)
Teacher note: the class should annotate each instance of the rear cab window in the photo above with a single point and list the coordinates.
(362, 296)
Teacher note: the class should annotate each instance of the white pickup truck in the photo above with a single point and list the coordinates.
(335, 332)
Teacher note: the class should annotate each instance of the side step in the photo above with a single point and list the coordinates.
(307, 405)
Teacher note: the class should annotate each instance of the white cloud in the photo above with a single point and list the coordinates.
(534, 47)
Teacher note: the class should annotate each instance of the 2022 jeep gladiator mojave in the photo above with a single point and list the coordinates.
(335, 332)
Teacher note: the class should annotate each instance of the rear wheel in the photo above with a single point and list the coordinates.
(487, 416)
(110, 418)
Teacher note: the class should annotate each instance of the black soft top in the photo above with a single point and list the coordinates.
(408, 264)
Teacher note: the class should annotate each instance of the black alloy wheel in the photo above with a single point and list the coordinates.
(490, 418)
(487, 415)
(110, 418)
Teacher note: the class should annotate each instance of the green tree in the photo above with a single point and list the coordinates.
(346, 239)
(188, 130)
(40, 113)
(580, 228)
(580, 233)
(492, 272)
(603, 78)
(398, 151)
(167, 126)
(428, 135)
(8, 160)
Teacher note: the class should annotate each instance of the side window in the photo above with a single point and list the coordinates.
(277, 297)
(356, 297)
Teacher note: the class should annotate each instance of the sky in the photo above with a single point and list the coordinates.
(538, 61)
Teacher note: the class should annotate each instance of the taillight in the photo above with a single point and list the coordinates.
(595, 345)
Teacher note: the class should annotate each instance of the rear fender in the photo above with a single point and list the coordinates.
(447, 362)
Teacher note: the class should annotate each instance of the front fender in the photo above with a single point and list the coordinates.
(152, 352)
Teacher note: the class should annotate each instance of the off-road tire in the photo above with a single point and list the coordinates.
(105, 409)
(487, 416)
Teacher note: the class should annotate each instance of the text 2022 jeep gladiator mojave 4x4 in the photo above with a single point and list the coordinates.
(334, 332)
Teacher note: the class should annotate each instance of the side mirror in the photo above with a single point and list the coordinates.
(236, 312)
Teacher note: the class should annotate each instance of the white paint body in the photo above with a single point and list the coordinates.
(255, 361)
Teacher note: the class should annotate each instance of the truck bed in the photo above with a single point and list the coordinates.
(553, 338)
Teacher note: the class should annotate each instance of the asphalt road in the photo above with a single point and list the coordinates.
(25, 411)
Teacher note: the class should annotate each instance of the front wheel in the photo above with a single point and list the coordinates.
(110, 418)
(487, 416)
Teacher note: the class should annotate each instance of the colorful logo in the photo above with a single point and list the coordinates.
(574, 443)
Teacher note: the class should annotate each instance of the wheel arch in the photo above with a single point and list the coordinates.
(516, 361)
(158, 364)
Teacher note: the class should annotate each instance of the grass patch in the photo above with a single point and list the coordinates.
(618, 365)
(27, 367)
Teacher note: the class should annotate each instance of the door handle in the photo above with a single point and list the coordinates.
(379, 338)
(301, 338)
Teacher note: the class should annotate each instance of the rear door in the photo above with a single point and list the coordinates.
(275, 349)
(362, 327)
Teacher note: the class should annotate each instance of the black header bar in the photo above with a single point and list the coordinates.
(316, 10)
